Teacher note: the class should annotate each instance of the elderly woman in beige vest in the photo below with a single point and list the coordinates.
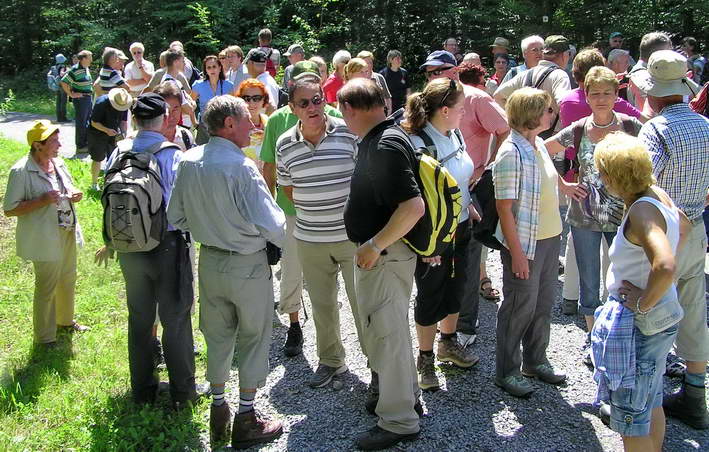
(41, 194)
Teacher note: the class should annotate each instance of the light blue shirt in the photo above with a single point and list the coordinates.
(461, 166)
(222, 200)
(204, 90)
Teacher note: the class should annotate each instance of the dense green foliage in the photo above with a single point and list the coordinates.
(32, 31)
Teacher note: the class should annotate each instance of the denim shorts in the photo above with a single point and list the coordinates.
(631, 409)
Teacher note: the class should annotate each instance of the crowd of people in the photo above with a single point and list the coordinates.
(324, 168)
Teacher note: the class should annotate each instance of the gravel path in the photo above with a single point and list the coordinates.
(15, 126)
(470, 413)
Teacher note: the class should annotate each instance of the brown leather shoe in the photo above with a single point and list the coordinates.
(219, 422)
(249, 429)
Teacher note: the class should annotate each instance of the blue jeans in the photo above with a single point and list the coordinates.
(82, 110)
(588, 247)
(631, 409)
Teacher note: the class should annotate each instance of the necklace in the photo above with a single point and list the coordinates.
(593, 123)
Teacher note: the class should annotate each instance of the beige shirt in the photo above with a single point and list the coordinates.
(37, 233)
(549, 217)
(557, 83)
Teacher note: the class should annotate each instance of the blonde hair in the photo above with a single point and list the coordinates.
(584, 61)
(600, 75)
(625, 161)
(354, 66)
(365, 54)
(525, 108)
(321, 64)
(421, 106)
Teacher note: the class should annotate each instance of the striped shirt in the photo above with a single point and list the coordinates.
(320, 176)
(110, 78)
(517, 175)
(678, 141)
(79, 79)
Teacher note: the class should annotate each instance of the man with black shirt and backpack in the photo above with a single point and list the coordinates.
(156, 267)
(385, 172)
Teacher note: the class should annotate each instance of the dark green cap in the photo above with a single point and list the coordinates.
(305, 68)
(555, 44)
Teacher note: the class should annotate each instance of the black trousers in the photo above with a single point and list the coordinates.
(162, 276)
(82, 110)
(442, 290)
(61, 105)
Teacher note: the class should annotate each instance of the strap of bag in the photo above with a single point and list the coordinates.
(157, 147)
(453, 154)
(428, 143)
(544, 76)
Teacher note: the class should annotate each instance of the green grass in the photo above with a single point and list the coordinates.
(31, 95)
(77, 396)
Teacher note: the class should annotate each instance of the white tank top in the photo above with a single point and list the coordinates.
(628, 260)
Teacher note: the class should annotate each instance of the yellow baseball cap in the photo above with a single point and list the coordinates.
(41, 130)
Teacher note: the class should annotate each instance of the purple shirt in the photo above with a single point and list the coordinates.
(574, 107)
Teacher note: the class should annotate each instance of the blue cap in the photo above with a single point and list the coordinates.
(439, 58)
(60, 58)
(615, 34)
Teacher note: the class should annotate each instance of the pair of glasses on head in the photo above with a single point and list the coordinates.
(451, 88)
(304, 103)
(256, 98)
(437, 72)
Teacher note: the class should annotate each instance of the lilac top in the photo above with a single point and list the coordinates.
(574, 107)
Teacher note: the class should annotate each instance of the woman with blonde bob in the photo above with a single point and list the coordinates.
(642, 311)
(432, 118)
(357, 68)
(526, 184)
(598, 217)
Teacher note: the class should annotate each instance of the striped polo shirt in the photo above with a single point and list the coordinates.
(110, 78)
(320, 176)
(79, 79)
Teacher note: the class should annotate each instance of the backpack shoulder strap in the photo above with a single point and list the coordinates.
(157, 147)
(528, 78)
(428, 143)
(458, 135)
(544, 76)
(627, 123)
(578, 132)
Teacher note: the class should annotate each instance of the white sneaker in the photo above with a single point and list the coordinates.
(466, 340)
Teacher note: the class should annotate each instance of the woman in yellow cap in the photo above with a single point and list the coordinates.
(41, 194)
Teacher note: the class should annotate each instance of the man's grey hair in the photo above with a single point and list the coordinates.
(651, 42)
(470, 57)
(341, 57)
(153, 124)
(615, 54)
(529, 40)
(137, 45)
(221, 107)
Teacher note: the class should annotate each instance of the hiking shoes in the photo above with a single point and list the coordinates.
(545, 373)
(294, 342)
(323, 375)
(250, 429)
(428, 381)
(450, 351)
(515, 385)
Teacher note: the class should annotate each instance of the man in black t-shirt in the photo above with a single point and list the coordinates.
(384, 204)
(397, 79)
(108, 125)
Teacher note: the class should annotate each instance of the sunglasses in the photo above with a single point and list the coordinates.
(256, 98)
(303, 103)
(222, 58)
(451, 88)
(137, 52)
(437, 72)
(550, 110)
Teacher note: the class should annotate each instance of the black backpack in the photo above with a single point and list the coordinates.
(528, 81)
(483, 195)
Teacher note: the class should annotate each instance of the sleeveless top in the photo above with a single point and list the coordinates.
(629, 262)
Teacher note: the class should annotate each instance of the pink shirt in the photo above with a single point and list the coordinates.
(483, 118)
(574, 107)
(331, 86)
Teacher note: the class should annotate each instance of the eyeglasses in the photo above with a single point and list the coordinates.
(437, 72)
(303, 103)
(256, 98)
(451, 89)
(222, 58)
(137, 52)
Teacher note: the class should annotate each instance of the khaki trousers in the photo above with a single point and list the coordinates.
(321, 262)
(693, 336)
(291, 272)
(383, 295)
(236, 310)
(54, 284)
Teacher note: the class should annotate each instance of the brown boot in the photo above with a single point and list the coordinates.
(219, 422)
(688, 405)
(250, 429)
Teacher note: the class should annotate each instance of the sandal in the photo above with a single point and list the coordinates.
(487, 291)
